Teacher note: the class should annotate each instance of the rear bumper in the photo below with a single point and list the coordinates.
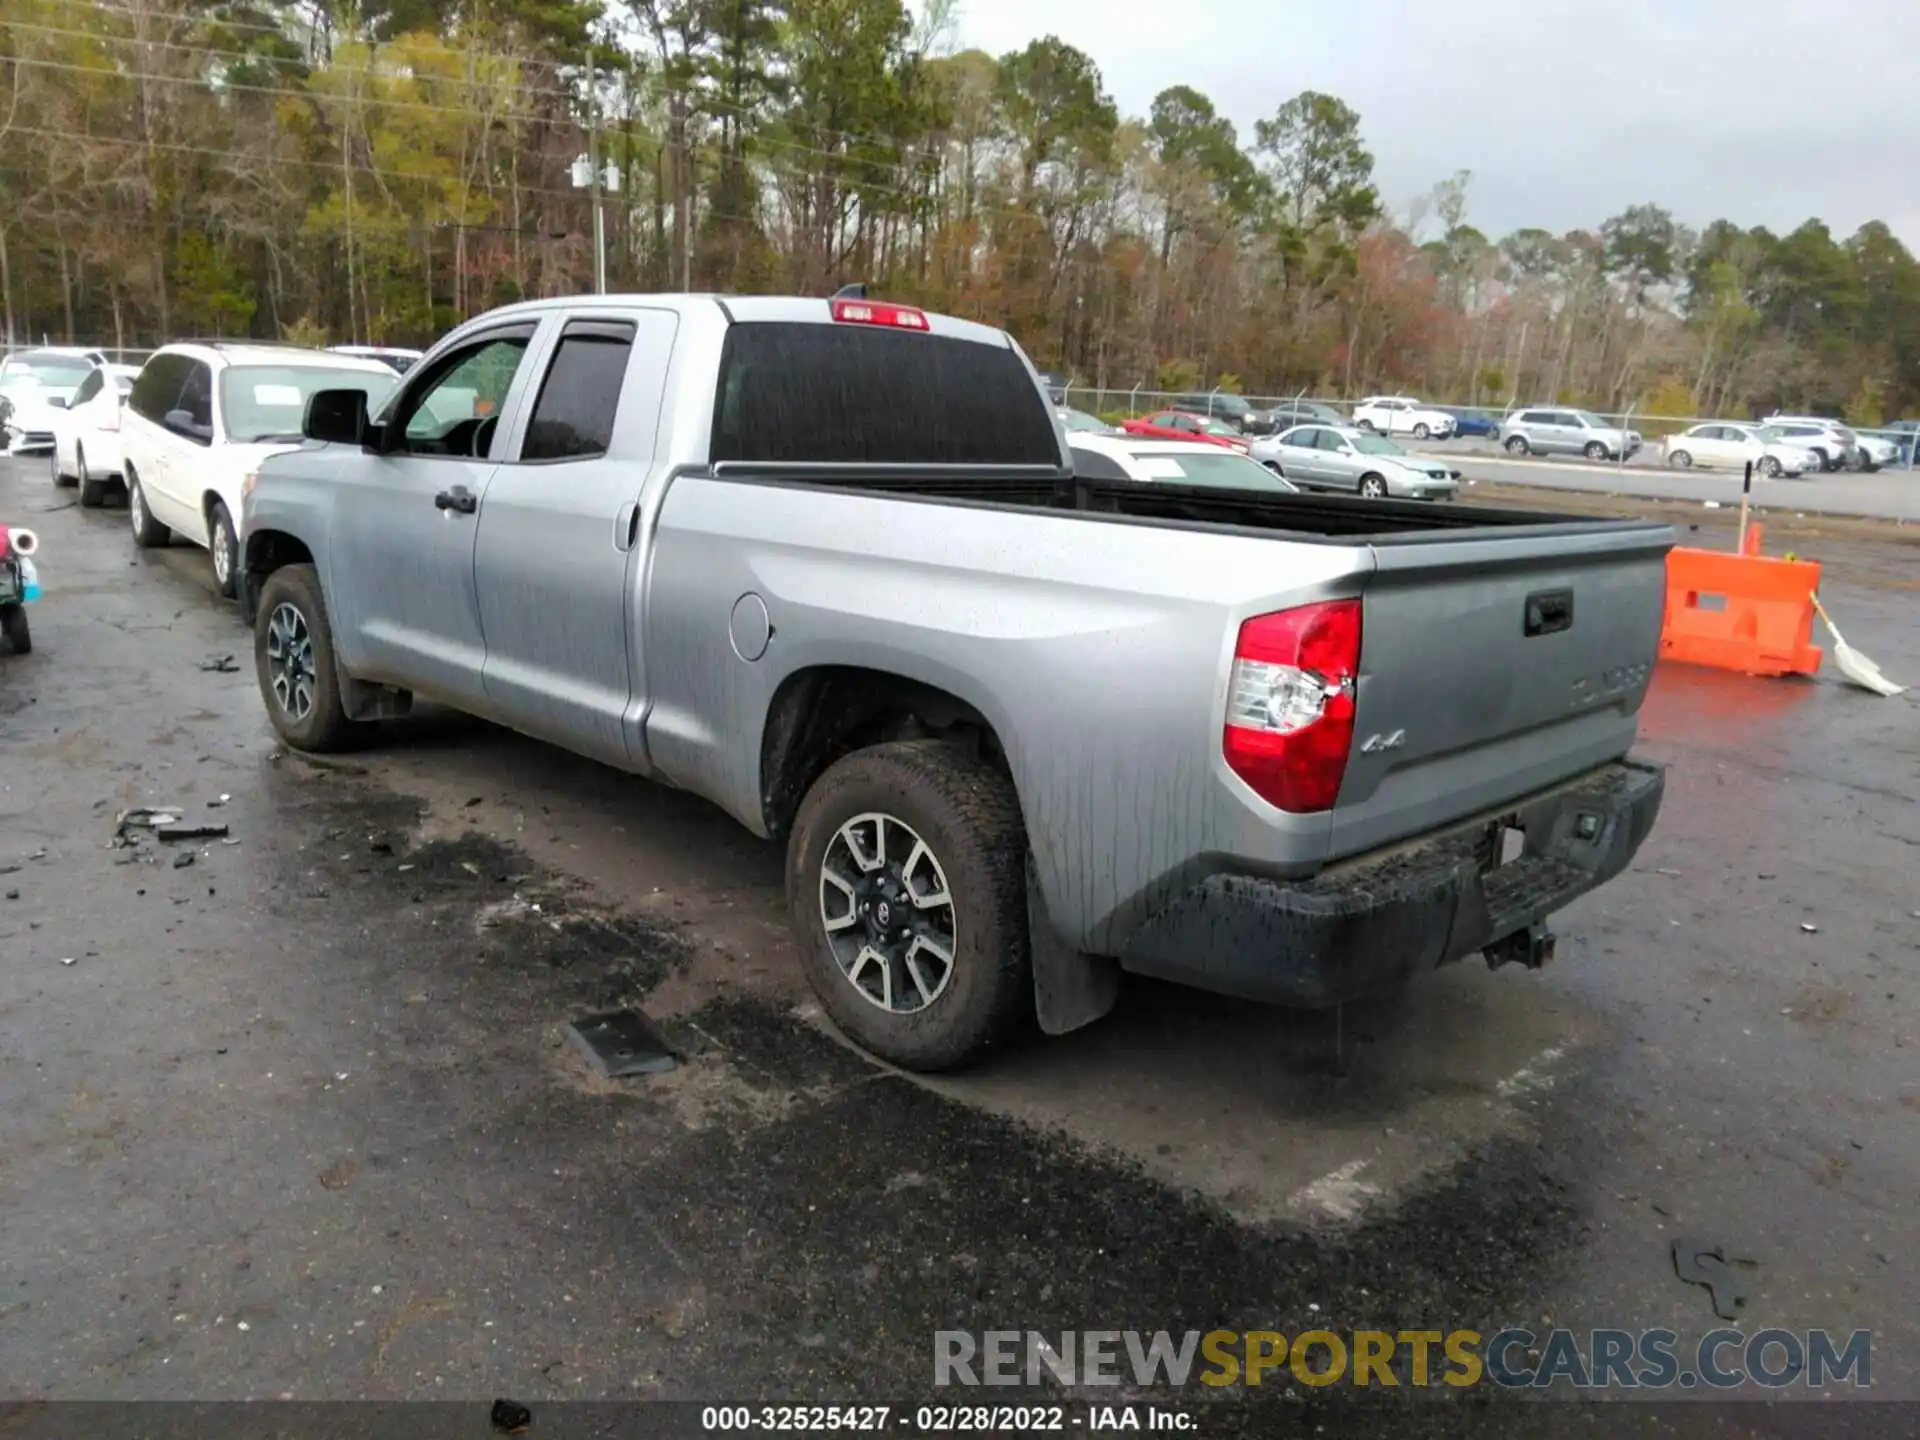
(1366, 925)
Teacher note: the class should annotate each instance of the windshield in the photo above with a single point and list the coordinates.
(1080, 420)
(1375, 445)
(269, 402)
(1210, 467)
(54, 372)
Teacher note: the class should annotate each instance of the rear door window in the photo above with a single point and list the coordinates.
(580, 396)
(796, 393)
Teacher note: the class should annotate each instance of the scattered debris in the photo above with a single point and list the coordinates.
(216, 804)
(621, 1044)
(183, 860)
(66, 959)
(1699, 1262)
(1809, 927)
(510, 1417)
(473, 802)
(1674, 874)
(220, 664)
(13, 894)
(190, 832)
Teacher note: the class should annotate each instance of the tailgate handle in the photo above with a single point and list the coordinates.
(1549, 612)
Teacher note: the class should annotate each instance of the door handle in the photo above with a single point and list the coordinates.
(458, 499)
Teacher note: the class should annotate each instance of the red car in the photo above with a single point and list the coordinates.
(1179, 425)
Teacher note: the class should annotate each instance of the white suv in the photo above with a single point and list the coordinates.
(1399, 415)
(200, 420)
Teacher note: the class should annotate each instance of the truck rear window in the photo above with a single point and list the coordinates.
(851, 394)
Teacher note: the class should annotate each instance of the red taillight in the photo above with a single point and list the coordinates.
(6, 542)
(1290, 703)
(872, 312)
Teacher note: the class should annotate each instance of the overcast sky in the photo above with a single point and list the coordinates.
(1566, 111)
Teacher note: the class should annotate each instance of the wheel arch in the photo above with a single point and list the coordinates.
(820, 712)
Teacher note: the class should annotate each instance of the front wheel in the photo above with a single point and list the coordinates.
(60, 477)
(1517, 445)
(293, 661)
(17, 628)
(1680, 460)
(1372, 487)
(906, 889)
(148, 533)
(225, 546)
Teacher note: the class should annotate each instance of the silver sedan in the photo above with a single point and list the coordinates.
(1338, 457)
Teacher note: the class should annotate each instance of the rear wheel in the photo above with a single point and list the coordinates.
(1372, 487)
(1595, 450)
(1421, 432)
(17, 628)
(1517, 445)
(1368, 426)
(225, 548)
(93, 492)
(1770, 467)
(1680, 460)
(906, 888)
(148, 533)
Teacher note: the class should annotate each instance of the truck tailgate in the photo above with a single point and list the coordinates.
(1492, 665)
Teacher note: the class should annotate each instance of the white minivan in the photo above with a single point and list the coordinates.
(200, 420)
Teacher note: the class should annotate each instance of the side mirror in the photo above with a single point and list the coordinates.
(338, 417)
(57, 402)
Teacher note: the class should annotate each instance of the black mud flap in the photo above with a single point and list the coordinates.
(1070, 987)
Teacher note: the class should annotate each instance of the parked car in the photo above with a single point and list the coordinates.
(1079, 421)
(1903, 434)
(34, 385)
(1289, 413)
(1871, 450)
(1345, 457)
(397, 359)
(1170, 462)
(86, 433)
(1557, 430)
(1831, 441)
(1177, 425)
(1470, 424)
(856, 597)
(1400, 415)
(1725, 445)
(199, 421)
(1235, 410)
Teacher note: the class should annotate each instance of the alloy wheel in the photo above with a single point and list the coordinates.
(888, 913)
(290, 661)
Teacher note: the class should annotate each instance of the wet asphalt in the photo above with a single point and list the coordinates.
(298, 1119)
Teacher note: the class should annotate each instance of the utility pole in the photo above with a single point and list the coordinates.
(593, 161)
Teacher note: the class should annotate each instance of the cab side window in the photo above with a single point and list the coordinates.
(158, 386)
(89, 388)
(455, 407)
(580, 396)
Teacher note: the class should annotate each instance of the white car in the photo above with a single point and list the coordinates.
(200, 420)
(1830, 441)
(1170, 462)
(1724, 445)
(30, 382)
(1399, 415)
(86, 434)
(1873, 451)
(399, 360)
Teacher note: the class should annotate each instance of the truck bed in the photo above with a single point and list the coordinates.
(1305, 516)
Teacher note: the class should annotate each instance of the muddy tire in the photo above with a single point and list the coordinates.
(148, 533)
(906, 889)
(293, 661)
(17, 629)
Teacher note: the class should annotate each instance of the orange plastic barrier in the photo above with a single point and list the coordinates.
(1740, 612)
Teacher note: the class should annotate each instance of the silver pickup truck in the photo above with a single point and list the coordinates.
(827, 564)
